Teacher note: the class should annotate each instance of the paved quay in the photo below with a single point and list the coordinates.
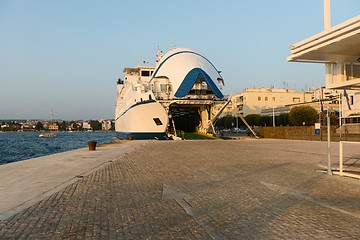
(26, 182)
(225, 189)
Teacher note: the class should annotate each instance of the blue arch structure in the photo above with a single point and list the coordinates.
(190, 80)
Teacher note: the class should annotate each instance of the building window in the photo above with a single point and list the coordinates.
(163, 87)
(266, 98)
(274, 99)
(145, 73)
(351, 100)
(296, 99)
(259, 98)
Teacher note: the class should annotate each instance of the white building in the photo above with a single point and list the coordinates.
(86, 126)
(106, 125)
(254, 100)
(338, 48)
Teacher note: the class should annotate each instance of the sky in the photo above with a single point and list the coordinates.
(66, 56)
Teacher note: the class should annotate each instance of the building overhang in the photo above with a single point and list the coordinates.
(350, 85)
(338, 44)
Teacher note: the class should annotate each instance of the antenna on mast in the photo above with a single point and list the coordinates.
(158, 54)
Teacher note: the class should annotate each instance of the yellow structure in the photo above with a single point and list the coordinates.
(53, 127)
(254, 100)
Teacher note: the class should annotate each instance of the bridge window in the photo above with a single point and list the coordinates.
(145, 73)
(163, 87)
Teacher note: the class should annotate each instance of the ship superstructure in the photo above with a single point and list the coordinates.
(182, 92)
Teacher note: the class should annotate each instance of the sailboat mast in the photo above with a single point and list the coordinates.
(52, 116)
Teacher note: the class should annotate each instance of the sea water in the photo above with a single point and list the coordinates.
(17, 146)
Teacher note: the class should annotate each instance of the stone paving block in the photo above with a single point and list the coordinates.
(263, 189)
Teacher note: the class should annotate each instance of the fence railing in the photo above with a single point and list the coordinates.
(307, 133)
(348, 173)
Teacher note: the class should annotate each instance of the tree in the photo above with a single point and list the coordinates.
(253, 119)
(39, 126)
(303, 114)
(14, 126)
(95, 125)
(265, 121)
(73, 126)
(62, 126)
(334, 119)
(220, 122)
(229, 121)
(282, 119)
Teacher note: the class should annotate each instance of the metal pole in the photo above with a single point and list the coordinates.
(273, 117)
(327, 26)
(341, 157)
(328, 142)
(235, 113)
(340, 112)
(321, 130)
(237, 122)
(327, 18)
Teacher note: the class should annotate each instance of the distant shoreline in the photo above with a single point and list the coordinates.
(6, 131)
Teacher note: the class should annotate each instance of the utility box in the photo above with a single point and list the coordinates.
(317, 129)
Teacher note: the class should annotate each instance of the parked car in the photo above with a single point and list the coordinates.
(238, 130)
(225, 130)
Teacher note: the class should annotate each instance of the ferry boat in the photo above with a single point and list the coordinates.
(183, 87)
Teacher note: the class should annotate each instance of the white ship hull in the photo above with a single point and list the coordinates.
(181, 87)
(143, 120)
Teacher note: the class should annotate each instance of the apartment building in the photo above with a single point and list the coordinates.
(254, 100)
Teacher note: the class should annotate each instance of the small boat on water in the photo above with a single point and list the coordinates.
(181, 93)
(47, 135)
(52, 127)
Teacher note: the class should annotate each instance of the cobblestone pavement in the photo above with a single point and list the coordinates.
(254, 189)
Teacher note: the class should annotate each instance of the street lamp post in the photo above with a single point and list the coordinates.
(340, 113)
(273, 116)
(328, 141)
